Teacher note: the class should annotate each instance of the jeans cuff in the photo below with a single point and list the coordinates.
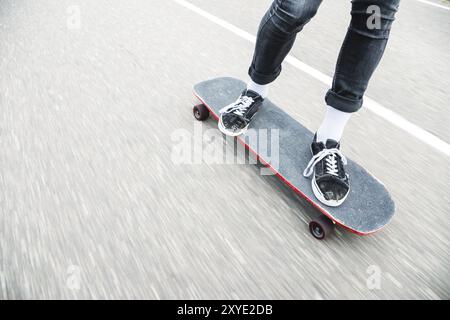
(262, 79)
(341, 103)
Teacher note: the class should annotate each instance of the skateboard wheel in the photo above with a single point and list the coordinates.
(201, 112)
(321, 227)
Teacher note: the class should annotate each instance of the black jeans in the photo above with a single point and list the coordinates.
(360, 54)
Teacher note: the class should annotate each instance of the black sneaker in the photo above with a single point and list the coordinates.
(330, 183)
(235, 118)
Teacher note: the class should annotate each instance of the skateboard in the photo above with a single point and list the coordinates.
(368, 207)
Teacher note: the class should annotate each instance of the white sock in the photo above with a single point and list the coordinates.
(260, 89)
(333, 125)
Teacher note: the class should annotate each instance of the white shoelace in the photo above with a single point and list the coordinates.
(240, 107)
(330, 161)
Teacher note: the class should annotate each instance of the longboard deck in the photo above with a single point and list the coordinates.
(368, 207)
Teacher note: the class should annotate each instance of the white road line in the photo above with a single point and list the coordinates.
(434, 4)
(370, 104)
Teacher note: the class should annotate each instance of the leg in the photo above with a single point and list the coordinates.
(361, 52)
(277, 34)
(276, 37)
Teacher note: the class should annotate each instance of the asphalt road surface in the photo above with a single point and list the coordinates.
(94, 204)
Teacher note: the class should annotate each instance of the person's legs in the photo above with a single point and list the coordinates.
(360, 54)
(276, 36)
